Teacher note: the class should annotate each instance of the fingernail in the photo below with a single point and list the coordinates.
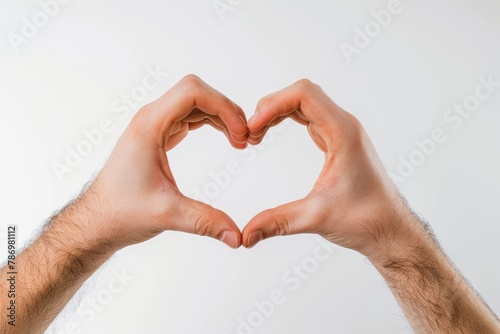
(253, 118)
(254, 238)
(229, 238)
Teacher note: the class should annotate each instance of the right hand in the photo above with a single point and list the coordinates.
(135, 196)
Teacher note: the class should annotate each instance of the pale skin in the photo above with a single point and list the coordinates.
(353, 204)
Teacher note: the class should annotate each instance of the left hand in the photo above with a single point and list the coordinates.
(353, 203)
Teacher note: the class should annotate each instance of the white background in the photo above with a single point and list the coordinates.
(65, 79)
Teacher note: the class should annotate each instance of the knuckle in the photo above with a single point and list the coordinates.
(144, 111)
(191, 81)
(262, 104)
(140, 120)
(306, 85)
(356, 129)
(281, 226)
(203, 226)
(354, 121)
(227, 102)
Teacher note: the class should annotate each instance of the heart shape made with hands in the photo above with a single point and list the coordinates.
(352, 178)
(271, 111)
(351, 186)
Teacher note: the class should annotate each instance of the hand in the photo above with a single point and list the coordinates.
(136, 195)
(353, 202)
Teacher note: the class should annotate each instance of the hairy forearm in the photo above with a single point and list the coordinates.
(432, 293)
(52, 269)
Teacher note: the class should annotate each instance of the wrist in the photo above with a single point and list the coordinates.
(403, 240)
(431, 291)
(78, 231)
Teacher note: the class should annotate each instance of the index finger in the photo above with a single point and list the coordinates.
(190, 93)
(303, 96)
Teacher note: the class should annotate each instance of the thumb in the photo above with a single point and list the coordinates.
(287, 219)
(202, 219)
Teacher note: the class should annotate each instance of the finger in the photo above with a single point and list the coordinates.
(181, 129)
(314, 105)
(256, 137)
(202, 219)
(300, 118)
(287, 219)
(234, 143)
(294, 115)
(318, 140)
(174, 139)
(190, 93)
(198, 115)
(196, 125)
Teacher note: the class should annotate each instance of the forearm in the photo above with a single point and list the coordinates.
(432, 293)
(52, 269)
